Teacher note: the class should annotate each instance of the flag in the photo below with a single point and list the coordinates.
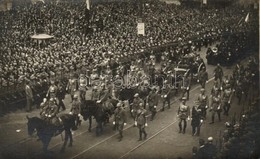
(88, 4)
(204, 2)
(247, 18)
(140, 28)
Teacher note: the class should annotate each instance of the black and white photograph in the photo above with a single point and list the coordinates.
(129, 79)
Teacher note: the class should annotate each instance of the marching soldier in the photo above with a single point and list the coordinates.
(183, 115)
(165, 94)
(203, 102)
(82, 87)
(186, 86)
(203, 77)
(75, 109)
(226, 97)
(136, 105)
(215, 107)
(225, 83)
(152, 101)
(218, 73)
(72, 86)
(61, 95)
(119, 120)
(95, 94)
(215, 89)
(29, 96)
(141, 121)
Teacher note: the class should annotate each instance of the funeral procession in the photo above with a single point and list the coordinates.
(129, 79)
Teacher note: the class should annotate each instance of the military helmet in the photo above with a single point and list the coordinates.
(75, 96)
(136, 95)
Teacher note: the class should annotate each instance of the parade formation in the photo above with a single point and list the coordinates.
(103, 72)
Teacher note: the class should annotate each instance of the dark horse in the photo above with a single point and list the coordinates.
(90, 109)
(46, 131)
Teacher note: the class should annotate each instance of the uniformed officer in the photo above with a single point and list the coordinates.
(226, 98)
(203, 102)
(72, 86)
(183, 115)
(152, 101)
(82, 87)
(203, 77)
(136, 104)
(141, 121)
(186, 86)
(119, 120)
(51, 113)
(61, 95)
(215, 89)
(75, 109)
(215, 107)
(103, 95)
(43, 108)
(218, 73)
(210, 150)
(52, 91)
(225, 83)
(165, 94)
(95, 94)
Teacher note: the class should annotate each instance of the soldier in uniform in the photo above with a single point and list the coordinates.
(119, 120)
(52, 92)
(51, 113)
(203, 102)
(136, 105)
(75, 109)
(43, 106)
(183, 115)
(82, 87)
(29, 96)
(152, 101)
(141, 121)
(61, 95)
(218, 73)
(186, 86)
(72, 86)
(226, 99)
(165, 94)
(197, 119)
(215, 89)
(95, 94)
(215, 107)
(225, 83)
(203, 77)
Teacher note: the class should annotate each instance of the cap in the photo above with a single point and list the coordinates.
(202, 89)
(75, 96)
(136, 95)
(210, 139)
(95, 87)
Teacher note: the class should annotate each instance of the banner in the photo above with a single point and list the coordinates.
(204, 2)
(88, 4)
(140, 28)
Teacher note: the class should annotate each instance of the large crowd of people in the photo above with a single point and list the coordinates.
(87, 41)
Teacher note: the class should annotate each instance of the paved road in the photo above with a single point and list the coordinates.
(163, 140)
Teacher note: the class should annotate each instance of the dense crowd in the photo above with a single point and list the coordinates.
(87, 41)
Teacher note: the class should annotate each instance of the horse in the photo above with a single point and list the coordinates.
(91, 109)
(46, 131)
